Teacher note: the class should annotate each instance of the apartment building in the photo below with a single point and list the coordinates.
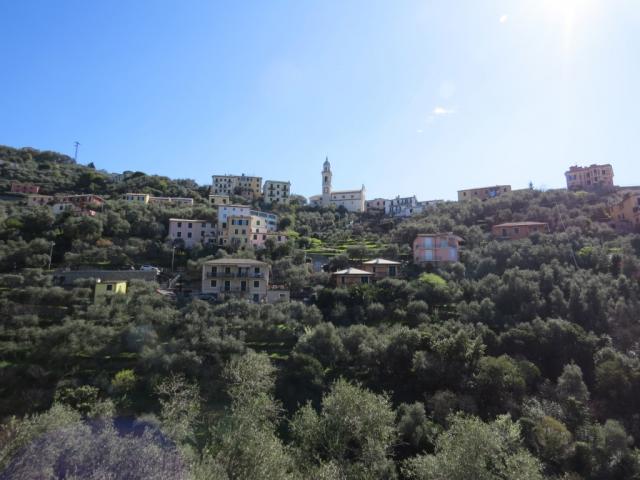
(18, 187)
(402, 206)
(266, 218)
(192, 231)
(275, 191)
(136, 197)
(589, 178)
(436, 248)
(381, 268)
(242, 231)
(236, 278)
(518, 230)
(625, 214)
(483, 193)
(243, 185)
(376, 205)
(217, 200)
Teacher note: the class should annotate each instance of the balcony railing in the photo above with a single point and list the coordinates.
(234, 275)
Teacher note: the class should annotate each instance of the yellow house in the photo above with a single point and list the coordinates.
(108, 288)
(137, 197)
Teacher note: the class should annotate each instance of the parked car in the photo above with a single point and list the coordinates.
(150, 268)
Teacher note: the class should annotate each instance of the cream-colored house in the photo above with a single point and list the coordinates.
(136, 197)
(217, 200)
(242, 185)
(276, 192)
(236, 278)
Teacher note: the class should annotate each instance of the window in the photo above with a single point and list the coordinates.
(342, 280)
(214, 269)
(392, 271)
(364, 280)
(256, 298)
(179, 224)
(189, 235)
(504, 232)
(256, 284)
(179, 234)
(255, 237)
(516, 230)
(227, 269)
(227, 286)
(190, 225)
(214, 283)
(243, 286)
(256, 270)
(109, 287)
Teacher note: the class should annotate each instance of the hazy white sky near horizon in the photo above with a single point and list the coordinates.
(406, 97)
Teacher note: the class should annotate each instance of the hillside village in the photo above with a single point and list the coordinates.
(242, 320)
(243, 220)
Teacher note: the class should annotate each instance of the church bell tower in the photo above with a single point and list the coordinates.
(326, 183)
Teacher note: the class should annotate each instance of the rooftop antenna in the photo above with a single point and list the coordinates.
(75, 155)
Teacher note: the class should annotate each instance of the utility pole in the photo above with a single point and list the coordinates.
(173, 256)
(75, 155)
(51, 254)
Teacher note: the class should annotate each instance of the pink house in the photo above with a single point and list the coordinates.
(191, 231)
(17, 187)
(436, 248)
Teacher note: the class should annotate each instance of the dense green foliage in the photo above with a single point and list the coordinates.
(519, 362)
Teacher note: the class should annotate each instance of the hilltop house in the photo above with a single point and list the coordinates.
(436, 248)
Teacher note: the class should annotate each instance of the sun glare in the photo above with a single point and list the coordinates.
(569, 14)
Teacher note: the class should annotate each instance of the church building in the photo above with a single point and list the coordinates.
(352, 200)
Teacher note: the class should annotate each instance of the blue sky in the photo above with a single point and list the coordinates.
(407, 97)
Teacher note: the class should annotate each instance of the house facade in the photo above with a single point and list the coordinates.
(518, 230)
(217, 200)
(483, 193)
(243, 185)
(376, 205)
(108, 288)
(175, 200)
(402, 207)
(436, 248)
(192, 231)
(275, 191)
(381, 268)
(268, 219)
(35, 200)
(625, 215)
(351, 276)
(352, 200)
(28, 188)
(136, 197)
(236, 278)
(589, 178)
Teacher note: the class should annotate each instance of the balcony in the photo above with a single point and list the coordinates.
(234, 275)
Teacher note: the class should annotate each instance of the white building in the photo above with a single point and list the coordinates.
(352, 200)
(275, 191)
(402, 206)
(270, 220)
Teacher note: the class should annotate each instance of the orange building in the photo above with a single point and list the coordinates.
(436, 248)
(381, 268)
(518, 230)
(625, 215)
(589, 178)
(351, 276)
